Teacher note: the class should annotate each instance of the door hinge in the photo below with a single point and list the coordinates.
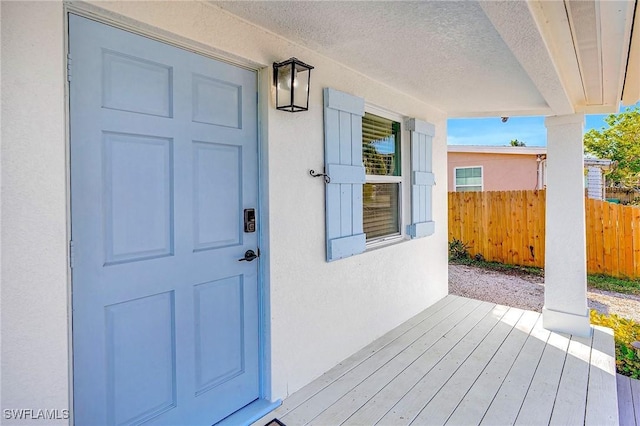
(69, 67)
(72, 255)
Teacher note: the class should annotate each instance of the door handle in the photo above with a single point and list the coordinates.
(249, 255)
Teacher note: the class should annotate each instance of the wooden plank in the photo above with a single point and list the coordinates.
(478, 234)
(510, 240)
(449, 396)
(457, 203)
(346, 246)
(490, 226)
(467, 221)
(620, 249)
(413, 401)
(454, 378)
(606, 234)
(599, 235)
(541, 225)
(530, 198)
(571, 398)
(452, 326)
(396, 387)
(590, 235)
(485, 227)
(528, 234)
(629, 268)
(464, 216)
(341, 101)
(625, 401)
(602, 404)
(477, 400)
(327, 396)
(538, 404)
(522, 230)
(505, 229)
(450, 216)
(505, 406)
(635, 393)
(302, 395)
(477, 229)
(423, 178)
(636, 242)
(615, 239)
(498, 218)
(514, 230)
(341, 173)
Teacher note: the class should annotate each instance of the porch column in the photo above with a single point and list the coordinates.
(565, 293)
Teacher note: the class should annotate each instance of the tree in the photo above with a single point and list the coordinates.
(619, 142)
(516, 142)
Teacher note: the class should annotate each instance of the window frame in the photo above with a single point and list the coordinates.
(401, 235)
(455, 185)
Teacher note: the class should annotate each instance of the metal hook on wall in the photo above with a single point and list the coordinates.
(327, 179)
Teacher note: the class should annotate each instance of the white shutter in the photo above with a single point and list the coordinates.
(343, 163)
(422, 178)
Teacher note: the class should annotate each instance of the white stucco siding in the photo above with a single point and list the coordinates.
(323, 312)
(320, 312)
(35, 356)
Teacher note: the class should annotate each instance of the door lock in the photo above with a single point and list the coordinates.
(249, 220)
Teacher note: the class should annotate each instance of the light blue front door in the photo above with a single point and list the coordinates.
(163, 164)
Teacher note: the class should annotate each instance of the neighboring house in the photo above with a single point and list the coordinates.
(508, 168)
(495, 168)
(145, 166)
(595, 176)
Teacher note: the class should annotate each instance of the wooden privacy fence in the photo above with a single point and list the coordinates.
(623, 195)
(509, 227)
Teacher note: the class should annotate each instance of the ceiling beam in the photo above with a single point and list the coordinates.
(616, 21)
(631, 93)
(515, 23)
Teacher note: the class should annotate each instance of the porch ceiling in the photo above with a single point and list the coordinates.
(468, 58)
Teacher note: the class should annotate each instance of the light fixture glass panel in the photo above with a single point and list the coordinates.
(301, 86)
(284, 85)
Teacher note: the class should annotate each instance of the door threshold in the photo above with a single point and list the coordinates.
(250, 413)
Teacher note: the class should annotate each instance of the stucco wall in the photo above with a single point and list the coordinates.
(34, 306)
(501, 172)
(320, 312)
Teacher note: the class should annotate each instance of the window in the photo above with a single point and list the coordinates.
(468, 178)
(369, 168)
(381, 191)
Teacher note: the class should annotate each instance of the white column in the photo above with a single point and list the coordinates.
(565, 295)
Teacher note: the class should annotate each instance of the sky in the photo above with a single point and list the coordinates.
(492, 131)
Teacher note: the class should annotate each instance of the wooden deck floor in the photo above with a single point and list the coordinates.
(465, 362)
(628, 401)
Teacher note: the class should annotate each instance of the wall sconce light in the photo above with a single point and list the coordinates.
(291, 78)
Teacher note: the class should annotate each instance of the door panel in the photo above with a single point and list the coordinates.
(163, 163)
(217, 225)
(138, 197)
(138, 331)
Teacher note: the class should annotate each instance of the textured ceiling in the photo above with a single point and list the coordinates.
(446, 53)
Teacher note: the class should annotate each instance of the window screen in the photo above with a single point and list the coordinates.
(381, 193)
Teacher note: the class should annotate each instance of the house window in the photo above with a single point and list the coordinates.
(468, 179)
(381, 192)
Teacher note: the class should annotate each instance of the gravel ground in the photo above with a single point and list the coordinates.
(527, 291)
